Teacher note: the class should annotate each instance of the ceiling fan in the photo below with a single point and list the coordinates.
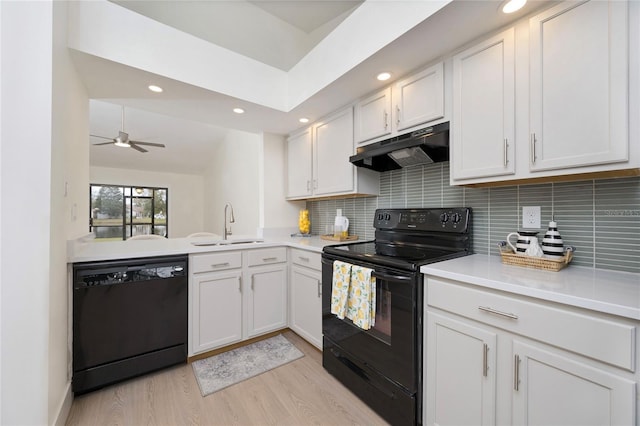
(122, 140)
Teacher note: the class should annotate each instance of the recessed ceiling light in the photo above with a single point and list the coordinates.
(384, 76)
(513, 5)
(238, 110)
(156, 89)
(304, 120)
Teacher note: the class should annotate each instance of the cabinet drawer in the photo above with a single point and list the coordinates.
(306, 258)
(267, 256)
(216, 261)
(602, 339)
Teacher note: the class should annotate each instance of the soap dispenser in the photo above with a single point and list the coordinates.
(340, 225)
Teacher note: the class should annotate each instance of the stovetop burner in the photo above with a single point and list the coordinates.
(410, 238)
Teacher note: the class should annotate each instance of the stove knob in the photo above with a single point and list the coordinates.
(380, 216)
(387, 216)
(456, 218)
(444, 217)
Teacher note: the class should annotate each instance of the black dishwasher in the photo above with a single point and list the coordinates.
(130, 317)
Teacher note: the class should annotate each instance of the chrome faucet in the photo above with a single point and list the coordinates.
(227, 231)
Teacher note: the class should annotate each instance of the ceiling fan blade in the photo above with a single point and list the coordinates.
(159, 145)
(102, 143)
(136, 147)
(101, 137)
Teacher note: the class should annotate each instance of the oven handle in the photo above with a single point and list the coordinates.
(387, 277)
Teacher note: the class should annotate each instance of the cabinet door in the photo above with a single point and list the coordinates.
(306, 304)
(333, 144)
(217, 310)
(299, 163)
(579, 85)
(419, 98)
(266, 299)
(460, 379)
(483, 125)
(373, 116)
(555, 389)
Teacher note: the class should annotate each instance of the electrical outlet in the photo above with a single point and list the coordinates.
(531, 217)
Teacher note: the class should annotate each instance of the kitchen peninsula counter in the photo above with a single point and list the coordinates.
(91, 251)
(600, 290)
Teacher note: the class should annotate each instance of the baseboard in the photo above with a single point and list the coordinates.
(64, 408)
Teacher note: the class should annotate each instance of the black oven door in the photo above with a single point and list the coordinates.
(391, 347)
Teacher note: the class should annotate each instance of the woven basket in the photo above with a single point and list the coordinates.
(544, 263)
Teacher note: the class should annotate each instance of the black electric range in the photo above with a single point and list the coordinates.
(383, 365)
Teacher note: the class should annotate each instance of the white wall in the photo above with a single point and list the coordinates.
(186, 203)
(234, 176)
(69, 179)
(277, 212)
(25, 136)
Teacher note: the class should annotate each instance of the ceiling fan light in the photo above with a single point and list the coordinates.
(122, 144)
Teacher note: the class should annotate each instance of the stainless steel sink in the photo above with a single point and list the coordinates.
(227, 242)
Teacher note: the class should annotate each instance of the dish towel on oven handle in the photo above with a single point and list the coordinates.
(340, 288)
(361, 304)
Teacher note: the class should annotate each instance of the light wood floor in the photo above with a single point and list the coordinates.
(298, 393)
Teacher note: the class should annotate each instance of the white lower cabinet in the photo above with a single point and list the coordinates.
(236, 295)
(305, 290)
(492, 358)
(266, 299)
(215, 294)
(552, 387)
(455, 378)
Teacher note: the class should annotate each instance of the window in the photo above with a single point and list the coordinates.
(119, 212)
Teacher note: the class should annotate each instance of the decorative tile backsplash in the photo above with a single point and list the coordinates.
(600, 218)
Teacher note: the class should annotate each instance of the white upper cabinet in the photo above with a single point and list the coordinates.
(483, 124)
(373, 116)
(333, 144)
(419, 98)
(415, 100)
(299, 163)
(579, 85)
(555, 96)
(318, 161)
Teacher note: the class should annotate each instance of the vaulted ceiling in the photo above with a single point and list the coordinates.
(278, 60)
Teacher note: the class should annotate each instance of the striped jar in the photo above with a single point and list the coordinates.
(552, 244)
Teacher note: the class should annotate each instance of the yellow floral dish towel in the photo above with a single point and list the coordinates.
(340, 287)
(361, 304)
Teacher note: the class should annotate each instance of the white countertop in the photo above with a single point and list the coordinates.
(90, 251)
(612, 292)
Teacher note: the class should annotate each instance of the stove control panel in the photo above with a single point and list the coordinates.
(457, 219)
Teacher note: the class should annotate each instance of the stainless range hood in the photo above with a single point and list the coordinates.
(425, 146)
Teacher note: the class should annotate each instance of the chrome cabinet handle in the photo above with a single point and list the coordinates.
(315, 184)
(304, 259)
(506, 150)
(252, 279)
(397, 115)
(220, 265)
(269, 259)
(485, 359)
(497, 312)
(308, 185)
(240, 284)
(516, 372)
(533, 148)
(386, 119)
(319, 288)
